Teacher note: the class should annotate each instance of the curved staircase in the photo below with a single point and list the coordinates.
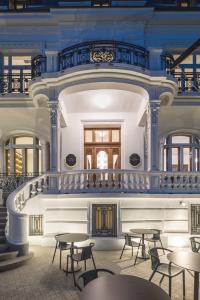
(9, 259)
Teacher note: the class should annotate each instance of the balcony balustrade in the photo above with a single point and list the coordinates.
(14, 83)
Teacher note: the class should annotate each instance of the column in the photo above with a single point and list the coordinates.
(155, 59)
(1, 158)
(53, 182)
(153, 141)
(44, 157)
(54, 136)
(52, 61)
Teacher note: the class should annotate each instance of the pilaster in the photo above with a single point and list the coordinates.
(153, 141)
(155, 59)
(52, 61)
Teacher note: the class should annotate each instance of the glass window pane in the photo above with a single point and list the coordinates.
(18, 161)
(186, 160)
(165, 159)
(102, 136)
(5, 60)
(29, 160)
(88, 161)
(175, 159)
(40, 162)
(196, 160)
(24, 140)
(21, 60)
(102, 160)
(115, 136)
(178, 139)
(88, 136)
(8, 162)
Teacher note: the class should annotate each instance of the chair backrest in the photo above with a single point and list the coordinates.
(58, 243)
(156, 235)
(91, 275)
(194, 246)
(86, 251)
(155, 260)
(128, 241)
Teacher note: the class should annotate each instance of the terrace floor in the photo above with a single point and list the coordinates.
(40, 279)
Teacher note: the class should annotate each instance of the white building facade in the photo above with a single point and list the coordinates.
(100, 110)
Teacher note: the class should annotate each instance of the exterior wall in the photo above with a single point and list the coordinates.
(65, 213)
(132, 136)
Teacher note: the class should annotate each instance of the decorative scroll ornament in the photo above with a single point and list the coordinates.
(101, 55)
(135, 160)
(70, 160)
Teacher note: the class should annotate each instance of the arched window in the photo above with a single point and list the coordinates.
(181, 153)
(23, 155)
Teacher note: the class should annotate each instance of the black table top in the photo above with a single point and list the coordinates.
(143, 231)
(185, 259)
(122, 287)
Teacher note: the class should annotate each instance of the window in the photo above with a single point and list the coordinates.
(23, 155)
(181, 153)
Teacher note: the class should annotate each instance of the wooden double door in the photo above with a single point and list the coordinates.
(102, 157)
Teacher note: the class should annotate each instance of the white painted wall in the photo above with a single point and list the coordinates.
(68, 213)
(73, 139)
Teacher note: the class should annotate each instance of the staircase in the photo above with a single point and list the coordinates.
(9, 259)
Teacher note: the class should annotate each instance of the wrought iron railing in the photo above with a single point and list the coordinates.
(39, 65)
(96, 52)
(166, 61)
(14, 83)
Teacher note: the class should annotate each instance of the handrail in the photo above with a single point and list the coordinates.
(95, 52)
(14, 83)
(16, 230)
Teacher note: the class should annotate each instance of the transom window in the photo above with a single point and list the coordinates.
(182, 153)
(110, 135)
(23, 155)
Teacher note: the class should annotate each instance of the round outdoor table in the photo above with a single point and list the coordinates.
(189, 261)
(122, 287)
(142, 232)
(72, 238)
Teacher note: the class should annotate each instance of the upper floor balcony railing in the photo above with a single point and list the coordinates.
(14, 83)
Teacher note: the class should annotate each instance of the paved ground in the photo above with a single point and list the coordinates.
(39, 279)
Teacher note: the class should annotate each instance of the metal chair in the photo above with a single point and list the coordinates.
(165, 269)
(130, 243)
(62, 246)
(195, 243)
(155, 238)
(91, 275)
(83, 255)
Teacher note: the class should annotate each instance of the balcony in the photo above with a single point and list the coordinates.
(14, 83)
(118, 181)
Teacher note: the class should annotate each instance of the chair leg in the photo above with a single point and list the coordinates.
(67, 265)
(60, 257)
(161, 280)
(132, 251)
(137, 253)
(73, 273)
(183, 284)
(162, 246)
(151, 277)
(93, 262)
(54, 253)
(170, 287)
(85, 264)
(122, 251)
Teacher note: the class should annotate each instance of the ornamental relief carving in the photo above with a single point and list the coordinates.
(101, 55)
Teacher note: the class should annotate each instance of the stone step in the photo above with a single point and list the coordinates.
(3, 247)
(3, 219)
(14, 262)
(2, 225)
(3, 209)
(2, 232)
(3, 214)
(2, 239)
(8, 255)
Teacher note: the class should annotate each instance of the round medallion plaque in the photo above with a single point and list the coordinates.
(134, 160)
(70, 160)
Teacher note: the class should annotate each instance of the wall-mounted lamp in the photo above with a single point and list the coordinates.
(182, 203)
